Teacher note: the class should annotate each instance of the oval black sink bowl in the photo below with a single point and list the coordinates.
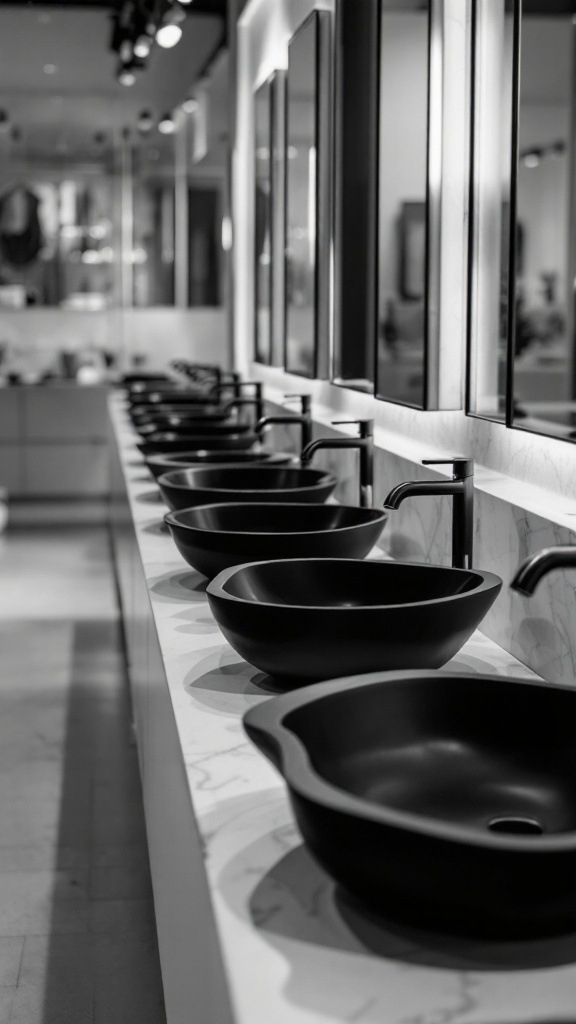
(185, 488)
(183, 396)
(159, 412)
(445, 800)
(171, 443)
(348, 616)
(213, 537)
(214, 423)
(160, 464)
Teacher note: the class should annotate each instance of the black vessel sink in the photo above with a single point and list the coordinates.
(348, 616)
(444, 800)
(159, 464)
(172, 443)
(159, 412)
(214, 423)
(182, 396)
(185, 488)
(213, 537)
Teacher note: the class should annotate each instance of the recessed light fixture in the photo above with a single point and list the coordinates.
(190, 105)
(145, 121)
(126, 51)
(126, 76)
(50, 69)
(143, 45)
(170, 31)
(166, 125)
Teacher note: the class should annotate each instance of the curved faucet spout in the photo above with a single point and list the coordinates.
(532, 569)
(415, 487)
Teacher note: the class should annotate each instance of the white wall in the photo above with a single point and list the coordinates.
(35, 336)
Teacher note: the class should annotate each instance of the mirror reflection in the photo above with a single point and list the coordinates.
(402, 278)
(544, 382)
(302, 194)
(263, 223)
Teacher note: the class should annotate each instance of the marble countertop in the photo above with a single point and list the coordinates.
(294, 951)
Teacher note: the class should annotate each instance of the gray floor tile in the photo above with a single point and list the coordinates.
(10, 956)
(121, 916)
(40, 902)
(120, 883)
(56, 982)
(43, 857)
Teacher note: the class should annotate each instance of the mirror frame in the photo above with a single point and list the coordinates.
(323, 118)
(264, 93)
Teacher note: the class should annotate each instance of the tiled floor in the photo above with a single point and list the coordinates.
(77, 935)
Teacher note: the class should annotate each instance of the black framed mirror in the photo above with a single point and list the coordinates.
(269, 212)
(522, 365)
(308, 198)
(405, 218)
(263, 205)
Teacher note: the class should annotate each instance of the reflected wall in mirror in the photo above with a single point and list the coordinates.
(78, 229)
(263, 223)
(308, 199)
(521, 365)
(403, 202)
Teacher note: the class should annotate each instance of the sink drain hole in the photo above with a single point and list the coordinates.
(516, 826)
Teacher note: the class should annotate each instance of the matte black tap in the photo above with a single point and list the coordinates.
(532, 569)
(256, 400)
(304, 419)
(364, 442)
(461, 487)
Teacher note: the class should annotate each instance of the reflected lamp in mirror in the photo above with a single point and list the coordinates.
(307, 261)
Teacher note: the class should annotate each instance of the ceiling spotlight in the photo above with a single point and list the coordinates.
(143, 45)
(532, 158)
(50, 69)
(190, 105)
(170, 31)
(166, 125)
(185, 2)
(145, 121)
(126, 51)
(126, 76)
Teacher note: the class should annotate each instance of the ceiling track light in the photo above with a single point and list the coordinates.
(145, 121)
(169, 32)
(126, 76)
(190, 105)
(166, 125)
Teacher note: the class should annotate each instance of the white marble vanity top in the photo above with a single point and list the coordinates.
(293, 952)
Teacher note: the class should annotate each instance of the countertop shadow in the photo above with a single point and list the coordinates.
(180, 586)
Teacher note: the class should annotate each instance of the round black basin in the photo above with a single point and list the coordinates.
(183, 396)
(159, 412)
(348, 616)
(445, 800)
(209, 423)
(159, 464)
(213, 537)
(172, 443)
(185, 488)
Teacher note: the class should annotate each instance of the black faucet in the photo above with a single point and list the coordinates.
(532, 569)
(461, 487)
(256, 400)
(364, 442)
(304, 419)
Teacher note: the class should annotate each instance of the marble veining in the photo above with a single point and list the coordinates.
(295, 949)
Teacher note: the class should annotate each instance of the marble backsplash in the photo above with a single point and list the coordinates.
(540, 631)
